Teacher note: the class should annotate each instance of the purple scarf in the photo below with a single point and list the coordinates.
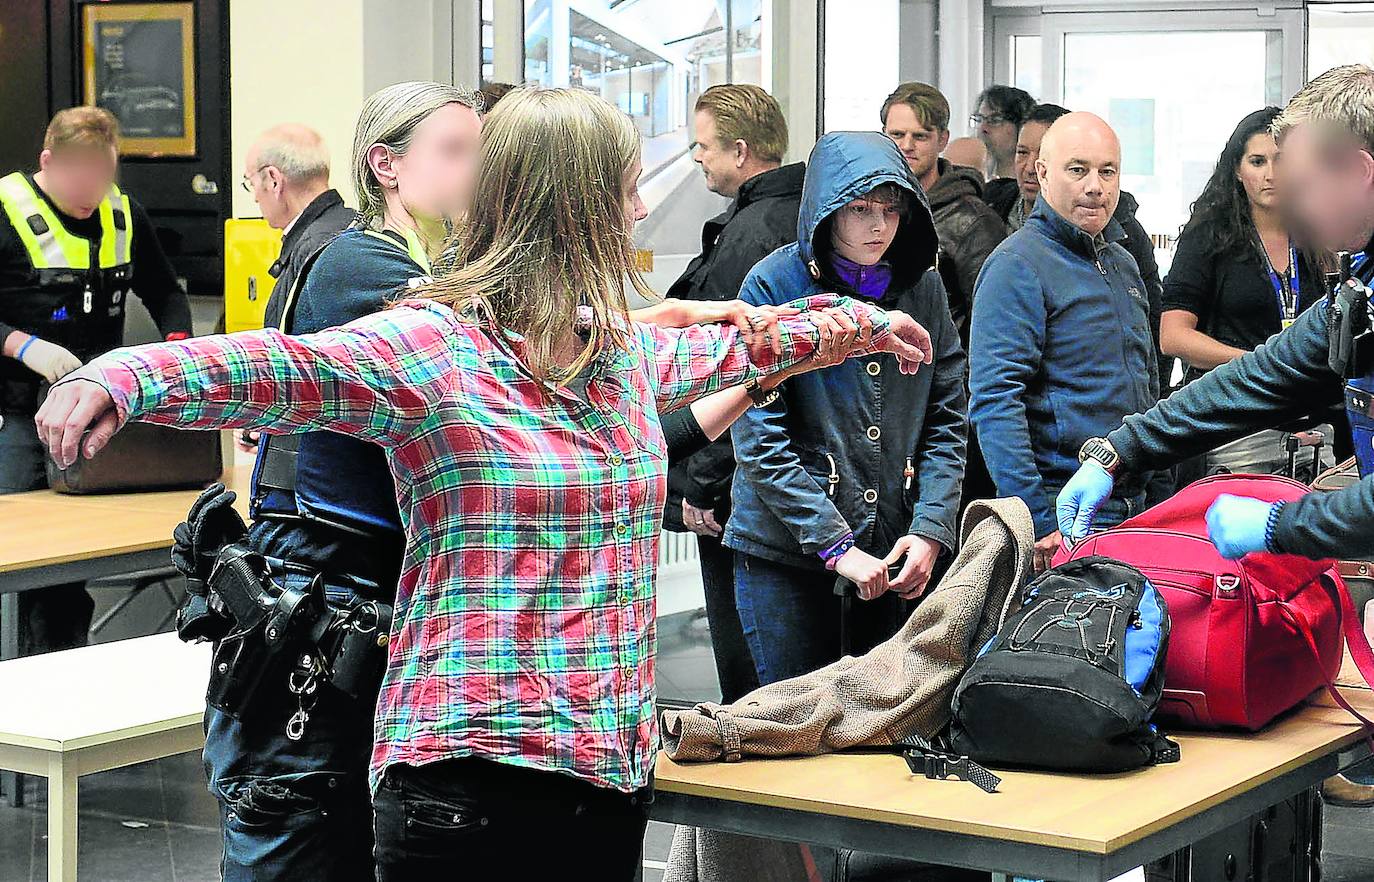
(869, 282)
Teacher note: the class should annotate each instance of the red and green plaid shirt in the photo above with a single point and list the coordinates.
(524, 628)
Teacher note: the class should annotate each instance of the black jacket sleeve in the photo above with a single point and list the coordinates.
(1138, 243)
(980, 231)
(683, 434)
(943, 447)
(155, 281)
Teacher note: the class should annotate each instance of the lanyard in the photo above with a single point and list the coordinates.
(1286, 286)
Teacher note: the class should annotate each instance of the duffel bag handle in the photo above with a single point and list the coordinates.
(1360, 650)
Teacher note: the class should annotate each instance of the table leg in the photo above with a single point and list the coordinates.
(11, 784)
(62, 841)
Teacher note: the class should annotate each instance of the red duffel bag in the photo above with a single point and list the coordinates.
(1250, 638)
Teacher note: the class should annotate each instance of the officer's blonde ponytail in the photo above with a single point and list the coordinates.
(389, 117)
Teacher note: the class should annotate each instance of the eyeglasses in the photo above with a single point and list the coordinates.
(247, 182)
(992, 119)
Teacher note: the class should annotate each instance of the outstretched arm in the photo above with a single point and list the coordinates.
(376, 378)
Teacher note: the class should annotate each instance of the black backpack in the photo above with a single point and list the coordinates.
(1072, 679)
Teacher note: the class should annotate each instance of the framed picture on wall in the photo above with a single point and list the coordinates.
(138, 62)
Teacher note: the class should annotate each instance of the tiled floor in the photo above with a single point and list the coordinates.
(156, 823)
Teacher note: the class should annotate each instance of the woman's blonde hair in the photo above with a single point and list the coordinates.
(547, 231)
(389, 117)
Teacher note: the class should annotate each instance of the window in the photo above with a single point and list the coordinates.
(1339, 33)
(488, 68)
(652, 59)
(861, 58)
(1026, 63)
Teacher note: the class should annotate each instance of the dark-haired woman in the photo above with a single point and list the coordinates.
(1238, 277)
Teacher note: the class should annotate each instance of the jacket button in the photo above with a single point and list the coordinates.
(870, 496)
(873, 368)
(874, 433)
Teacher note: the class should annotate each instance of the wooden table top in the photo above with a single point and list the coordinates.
(43, 528)
(1098, 814)
(79, 698)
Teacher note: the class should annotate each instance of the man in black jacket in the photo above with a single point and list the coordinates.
(73, 248)
(741, 139)
(916, 118)
(287, 171)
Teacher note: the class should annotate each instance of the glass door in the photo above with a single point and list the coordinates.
(1173, 85)
(653, 59)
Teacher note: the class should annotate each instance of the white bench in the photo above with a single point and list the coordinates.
(73, 713)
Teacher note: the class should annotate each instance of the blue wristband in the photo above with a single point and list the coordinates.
(25, 348)
(1270, 525)
(832, 555)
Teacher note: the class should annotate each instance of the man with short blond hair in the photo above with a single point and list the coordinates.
(741, 138)
(73, 248)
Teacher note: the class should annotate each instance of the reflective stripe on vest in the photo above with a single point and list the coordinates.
(414, 247)
(49, 244)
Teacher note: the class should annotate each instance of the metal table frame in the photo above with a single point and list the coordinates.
(999, 856)
(17, 581)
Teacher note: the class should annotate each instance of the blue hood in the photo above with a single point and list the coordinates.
(846, 165)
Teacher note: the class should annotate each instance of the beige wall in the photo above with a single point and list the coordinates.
(314, 61)
(290, 62)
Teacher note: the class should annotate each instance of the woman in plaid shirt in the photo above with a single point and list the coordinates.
(520, 410)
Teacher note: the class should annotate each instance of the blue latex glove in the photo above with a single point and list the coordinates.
(1078, 502)
(1236, 525)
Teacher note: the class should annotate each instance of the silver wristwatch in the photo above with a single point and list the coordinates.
(1100, 451)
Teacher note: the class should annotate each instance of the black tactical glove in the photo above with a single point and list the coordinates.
(211, 524)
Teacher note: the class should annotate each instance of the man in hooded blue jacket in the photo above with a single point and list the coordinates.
(856, 467)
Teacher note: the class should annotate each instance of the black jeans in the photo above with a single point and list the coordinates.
(476, 819)
(734, 662)
(59, 616)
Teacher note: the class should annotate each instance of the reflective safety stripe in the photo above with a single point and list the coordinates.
(116, 230)
(414, 247)
(49, 244)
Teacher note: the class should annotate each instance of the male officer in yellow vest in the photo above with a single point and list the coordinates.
(72, 249)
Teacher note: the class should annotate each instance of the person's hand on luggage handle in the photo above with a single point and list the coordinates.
(1238, 525)
(701, 521)
(921, 554)
(71, 410)
(1078, 502)
(865, 571)
(1045, 549)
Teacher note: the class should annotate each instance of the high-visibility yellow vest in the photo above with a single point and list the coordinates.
(50, 245)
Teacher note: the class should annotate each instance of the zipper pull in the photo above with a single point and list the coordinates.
(87, 300)
(1100, 268)
(908, 473)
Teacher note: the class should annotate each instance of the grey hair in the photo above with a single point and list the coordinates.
(389, 117)
(297, 151)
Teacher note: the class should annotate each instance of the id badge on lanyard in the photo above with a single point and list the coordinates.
(1287, 288)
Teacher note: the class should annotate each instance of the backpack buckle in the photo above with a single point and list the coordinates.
(923, 759)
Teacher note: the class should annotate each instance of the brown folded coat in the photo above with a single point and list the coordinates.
(904, 684)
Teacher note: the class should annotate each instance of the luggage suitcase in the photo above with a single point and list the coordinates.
(1283, 843)
(144, 457)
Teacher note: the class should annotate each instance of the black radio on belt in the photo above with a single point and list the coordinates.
(1351, 343)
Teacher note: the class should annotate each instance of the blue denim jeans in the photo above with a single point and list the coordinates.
(294, 810)
(791, 617)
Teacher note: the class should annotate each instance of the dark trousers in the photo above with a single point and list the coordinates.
(734, 662)
(293, 810)
(476, 819)
(791, 617)
(59, 616)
